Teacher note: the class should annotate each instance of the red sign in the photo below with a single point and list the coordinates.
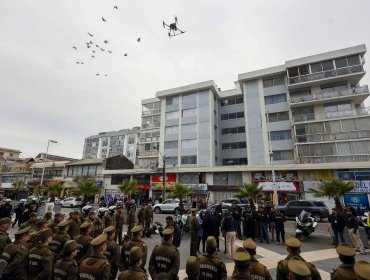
(143, 187)
(170, 178)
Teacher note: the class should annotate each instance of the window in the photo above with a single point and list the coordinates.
(273, 99)
(233, 130)
(172, 100)
(170, 144)
(131, 139)
(172, 115)
(304, 203)
(327, 65)
(338, 110)
(319, 204)
(283, 155)
(236, 145)
(189, 160)
(303, 70)
(280, 135)
(172, 129)
(278, 117)
(316, 67)
(273, 81)
(189, 112)
(334, 87)
(186, 128)
(189, 144)
(171, 161)
(232, 116)
(232, 101)
(235, 161)
(341, 62)
(353, 60)
(189, 98)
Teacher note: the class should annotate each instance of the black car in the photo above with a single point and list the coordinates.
(318, 209)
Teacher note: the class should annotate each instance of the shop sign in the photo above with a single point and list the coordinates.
(357, 201)
(280, 186)
(159, 186)
(170, 178)
(197, 187)
(361, 187)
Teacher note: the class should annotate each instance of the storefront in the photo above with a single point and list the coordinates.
(286, 190)
(156, 186)
(358, 197)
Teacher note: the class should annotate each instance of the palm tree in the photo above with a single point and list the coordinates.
(334, 188)
(180, 191)
(251, 191)
(54, 190)
(17, 186)
(128, 187)
(38, 190)
(87, 189)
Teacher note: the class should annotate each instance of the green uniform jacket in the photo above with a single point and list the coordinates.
(74, 229)
(258, 270)
(4, 240)
(15, 254)
(164, 258)
(96, 267)
(212, 267)
(125, 252)
(133, 273)
(282, 270)
(66, 269)
(343, 272)
(239, 276)
(40, 263)
(84, 249)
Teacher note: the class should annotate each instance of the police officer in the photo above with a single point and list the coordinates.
(40, 258)
(58, 217)
(294, 250)
(31, 220)
(84, 249)
(249, 221)
(112, 252)
(96, 224)
(131, 219)
(40, 225)
(15, 255)
(4, 238)
(108, 219)
(165, 257)
(60, 238)
(119, 218)
(362, 270)
(193, 228)
(134, 242)
(298, 269)
(242, 263)
(67, 267)
(192, 268)
(141, 215)
(134, 271)
(211, 265)
(74, 228)
(96, 266)
(257, 270)
(148, 219)
(346, 269)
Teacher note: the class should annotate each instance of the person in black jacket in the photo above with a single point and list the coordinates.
(228, 226)
(19, 209)
(211, 225)
(352, 225)
(263, 222)
(337, 225)
(176, 231)
(236, 213)
(249, 221)
(279, 227)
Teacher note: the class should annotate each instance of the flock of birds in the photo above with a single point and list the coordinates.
(102, 46)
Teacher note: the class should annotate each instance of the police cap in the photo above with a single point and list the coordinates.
(293, 242)
(362, 270)
(33, 214)
(168, 231)
(241, 257)
(211, 242)
(69, 246)
(41, 222)
(99, 240)
(109, 229)
(22, 231)
(249, 244)
(135, 254)
(64, 223)
(192, 266)
(345, 250)
(58, 215)
(5, 220)
(45, 234)
(85, 225)
(298, 267)
(193, 209)
(137, 228)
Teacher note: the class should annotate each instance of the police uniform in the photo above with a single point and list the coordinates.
(257, 270)
(84, 249)
(67, 268)
(119, 218)
(40, 259)
(59, 239)
(96, 267)
(282, 271)
(133, 272)
(344, 271)
(131, 220)
(15, 254)
(74, 228)
(31, 223)
(54, 224)
(165, 257)
(4, 238)
(134, 242)
(192, 268)
(148, 219)
(298, 269)
(240, 256)
(362, 270)
(193, 228)
(141, 215)
(112, 253)
(211, 266)
(108, 220)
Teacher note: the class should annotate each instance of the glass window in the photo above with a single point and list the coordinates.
(280, 135)
(170, 144)
(293, 72)
(283, 155)
(189, 112)
(186, 128)
(236, 145)
(92, 170)
(189, 98)
(268, 83)
(189, 144)
(172, 100)
(189, 160)
(303, 70)
(172, 115)
(316, 67)
(340, 62)
(353, 60)
(273, 99)
(172, 129)
(240, 114)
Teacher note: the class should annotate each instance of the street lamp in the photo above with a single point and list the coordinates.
(164, 176)
(271, 155)
(46, 155)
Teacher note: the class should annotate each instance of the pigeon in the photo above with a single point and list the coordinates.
(103, 50)
(91, 42)
(97, 74)
(93, 51)
(82, 63)
(110, 51)
(105, 75)
(97, 46)
(77, 62)
(103, 19)
(106, 41)
(90, 34)
(115, 7)
(74, 48)
(138, 39)
(88, 46)
(125, 54)
(92, 56)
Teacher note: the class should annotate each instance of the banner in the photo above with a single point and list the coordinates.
(361, 186)
(280, 186)
(170, 178)
(358, 201)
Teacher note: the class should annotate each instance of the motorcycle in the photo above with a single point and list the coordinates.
(363, 223)
(305, 224)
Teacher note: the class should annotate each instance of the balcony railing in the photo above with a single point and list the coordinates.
(151, 112)
(150, 125)
(327, 95)
(333, 136)
(333, 115)
(328, 159)
(326, 74)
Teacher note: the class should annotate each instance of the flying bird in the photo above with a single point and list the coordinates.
(105, 75)
(97, 74)
(103, 50)
(103, 19)
(74, 48)
(110, 51)
(106, 41)
(97, 46)
(77, 62)
(125, 54)
(92, 56)
(82, 63)
(88, 46)
(138, 39)
(91, 42)
(93, 51)
(115, 7)
(90, 34)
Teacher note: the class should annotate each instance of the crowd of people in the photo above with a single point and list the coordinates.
(91, 245)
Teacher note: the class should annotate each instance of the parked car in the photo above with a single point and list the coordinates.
(71, 202)
(239, 202)
(318, 209)
(224, 207)
(169, 206)
(56, 200)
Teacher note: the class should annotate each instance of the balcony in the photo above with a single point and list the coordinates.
(334, 158)
(332, 115)
(330, 137)
(358, 94)
(150, 125)
(353, 73)
(152, 153)
(151, 112)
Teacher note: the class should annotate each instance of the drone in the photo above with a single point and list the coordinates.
(173, 30)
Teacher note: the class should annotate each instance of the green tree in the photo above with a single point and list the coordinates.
(335, 189)
(180, 191)
(17, 186)
(251, 191)
(38, 190)
(87, 189)
(54, 190)
(128, 187)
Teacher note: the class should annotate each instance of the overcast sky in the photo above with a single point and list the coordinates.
(45, 95)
